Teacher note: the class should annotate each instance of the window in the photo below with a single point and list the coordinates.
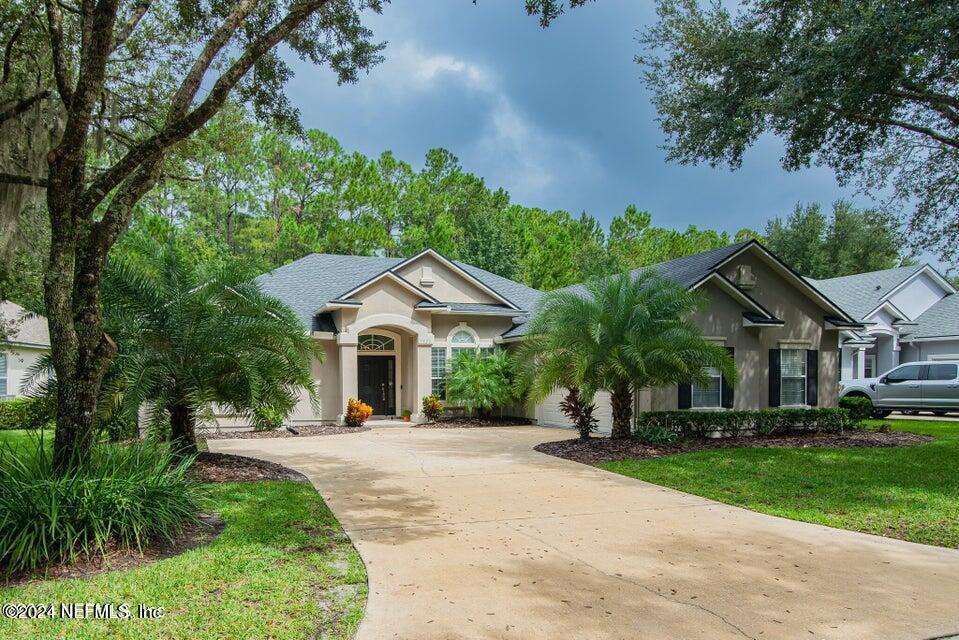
(463, 337)
(462, 341)
(903, 374)
(438, 371)
(374, 342)
(792, 369)
(3, 375)
(942, 372)
(869, 371)
(710, 395)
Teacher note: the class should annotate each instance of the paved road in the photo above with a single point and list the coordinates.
(468, 533)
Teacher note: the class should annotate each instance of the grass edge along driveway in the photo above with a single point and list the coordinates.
(281, 569)
(910, 493)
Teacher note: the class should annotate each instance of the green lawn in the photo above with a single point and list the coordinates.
(22, 438)
(281, 551)
(908, 492)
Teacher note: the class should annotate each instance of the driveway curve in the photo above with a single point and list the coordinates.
(469, 533)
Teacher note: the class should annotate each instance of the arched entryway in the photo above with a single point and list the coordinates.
(379, 355)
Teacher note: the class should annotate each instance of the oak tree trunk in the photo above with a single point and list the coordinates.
(621, 399)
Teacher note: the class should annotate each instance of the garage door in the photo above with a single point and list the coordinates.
(548, 412)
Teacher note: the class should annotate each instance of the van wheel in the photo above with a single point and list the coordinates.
(910, 412)
(878, 414)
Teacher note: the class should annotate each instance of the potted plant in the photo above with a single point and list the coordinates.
(407, 415)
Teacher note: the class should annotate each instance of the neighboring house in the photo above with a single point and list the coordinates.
(909, 314)
(389, 327)
(29, 339)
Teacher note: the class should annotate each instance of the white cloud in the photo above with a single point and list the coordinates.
(509, 148)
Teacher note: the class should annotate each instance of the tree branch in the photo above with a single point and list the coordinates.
(930, 96)
(180, 128)
(22, 106)
(8, 50)
(127, 29)
(30, 181)
(943, 105)
(915, 128)
(191, 82)
(55, 27)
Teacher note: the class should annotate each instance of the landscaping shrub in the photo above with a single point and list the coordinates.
(480, 382)
(357, 412)
(432, 407)
(579, 412)
(118, 495)
(654, 434)
(858, 407)
(25, 413)
(267, 418)
(700, 424)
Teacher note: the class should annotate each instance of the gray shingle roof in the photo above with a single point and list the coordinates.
(519, 294)
(309, 283)
(861, 293)
(941, 319)
(685, 271)
(27, 328)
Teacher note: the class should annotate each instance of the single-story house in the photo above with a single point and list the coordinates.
(27, 342)
(389, 327)
(909, 314)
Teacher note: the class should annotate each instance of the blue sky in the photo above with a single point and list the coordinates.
(559, 117)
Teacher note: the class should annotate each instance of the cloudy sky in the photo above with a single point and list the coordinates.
(559, 117)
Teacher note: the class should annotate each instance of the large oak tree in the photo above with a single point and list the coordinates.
(94, 94)
(868, 87)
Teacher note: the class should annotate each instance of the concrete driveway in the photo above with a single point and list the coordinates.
(468, 533)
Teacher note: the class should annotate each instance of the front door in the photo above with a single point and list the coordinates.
(376, 384)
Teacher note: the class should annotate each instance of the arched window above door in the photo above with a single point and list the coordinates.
(463, 338)
(375, 342)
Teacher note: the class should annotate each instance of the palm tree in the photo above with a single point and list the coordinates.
(620, 333)
(480, 382)
(190, 336)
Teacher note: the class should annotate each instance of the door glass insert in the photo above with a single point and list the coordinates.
(376, 342)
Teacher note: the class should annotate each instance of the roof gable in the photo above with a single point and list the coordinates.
(940, 320)
(862, 293)
(457, 269)
(389, 275)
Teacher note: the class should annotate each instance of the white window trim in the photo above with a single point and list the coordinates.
(805, 379)
(868, 359)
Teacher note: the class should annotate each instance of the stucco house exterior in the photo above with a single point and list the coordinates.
(908, 314)
(28, 342)
(389, 327)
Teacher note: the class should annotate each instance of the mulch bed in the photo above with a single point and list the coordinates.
(306, 430)
(226, 467)
(209, 527)
(472, 423)
(599, 450)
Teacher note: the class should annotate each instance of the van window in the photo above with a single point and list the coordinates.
(942, 372)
